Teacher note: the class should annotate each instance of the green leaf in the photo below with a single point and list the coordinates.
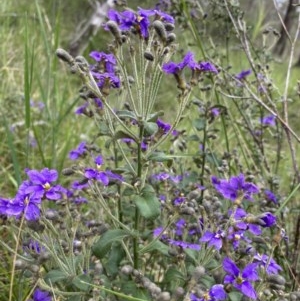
(103, 129)
(154, 117)
(55, 276)
(193, 138)
(128, 191)
(115, 257)
(200, 124)
(156, 246)
(147, 203)
(103, 244)
(173, 275)
(126, 114)
(78, 282)
(161, 157)
(122, 134)
(235, 296)
(150, 128)
(148, 208)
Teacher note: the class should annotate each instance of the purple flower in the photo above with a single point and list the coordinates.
(151, 12)
(93, 174)
(267, 219)
(270, 196)
(175, 68)
(215, 112)
(269, 120)
(180, 225)
(267, 263)
(108, 60)
(216, 292)
(184, 244)
(98, 103)
(179, 200)
(243, 74)
(4, 203)
(159, 232)
(98, 161)
(165, 127)
(23, 203)
(34, 246)
(236, 236)
(82, 109)
(107, 79)
(163, 176)
(241, 280)
(80, 185)
(41, 184)
(128, 20)
(207, 67)
(213, 238)
(80, 151)
(40, 295)
(235, 188)
(113, 176)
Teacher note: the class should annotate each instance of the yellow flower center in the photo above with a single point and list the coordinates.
(47, 186)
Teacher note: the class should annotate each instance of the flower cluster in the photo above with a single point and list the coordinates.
(236, 188)
(31, 193)
(140, 21)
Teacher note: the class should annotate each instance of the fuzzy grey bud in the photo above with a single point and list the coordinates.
(178, 293)
(136, 273)
(34, 268)
(171, 38)
(276, 279)
(160, 30)
(127, 269)
(64, 56)
(187, 211)
(277, 287)
(198, 273)
(44, 256)
(68, 171)
(148, 56)
(115, 30)
(164, 296)
(169, 26)
(51, 215)
(20, 264)
(295, 296)
(146, 282)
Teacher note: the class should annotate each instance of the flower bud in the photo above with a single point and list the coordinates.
(34, 268)
(148, 56)
(198, 273)
(20, 264)
(171, 38)
(127, 269)
(115, 30)
(64, 56)
(52, 215)
(160, 30)
(276, 279)
(164, 296)
(277, 287)
(169, 26)
(68, 171)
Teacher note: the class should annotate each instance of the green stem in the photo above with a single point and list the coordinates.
(137, 214)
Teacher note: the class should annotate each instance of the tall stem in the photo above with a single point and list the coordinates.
(137, 214)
